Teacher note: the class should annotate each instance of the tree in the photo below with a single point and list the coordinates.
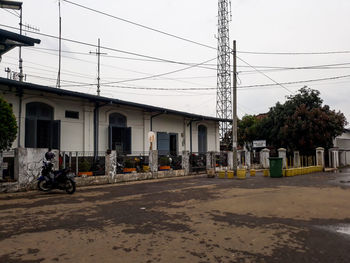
(8, 125)
(302, 123)
(248, 129)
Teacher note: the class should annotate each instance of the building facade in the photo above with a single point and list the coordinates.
(72, 121)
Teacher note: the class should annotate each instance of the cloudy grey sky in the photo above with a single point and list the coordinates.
(257, 25)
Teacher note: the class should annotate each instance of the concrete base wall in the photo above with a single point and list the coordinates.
(99, 180)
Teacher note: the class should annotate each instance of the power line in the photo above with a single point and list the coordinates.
(295, 53)
(139, 25)
(94, 45)
(152, 76)
(240, 87)
(265, 75)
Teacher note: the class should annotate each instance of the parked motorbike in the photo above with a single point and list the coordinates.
(62, 179)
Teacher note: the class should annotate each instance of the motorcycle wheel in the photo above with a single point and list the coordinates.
(70, 186)
(42, 186)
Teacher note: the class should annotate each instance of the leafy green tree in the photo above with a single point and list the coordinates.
(248, 129)
(8, 125)
(302, 123)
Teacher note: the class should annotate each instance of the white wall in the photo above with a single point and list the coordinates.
(78, 134)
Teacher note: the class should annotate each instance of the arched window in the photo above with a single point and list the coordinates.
(41, 130)
(119, 134)
(202, 139)
(117, 120)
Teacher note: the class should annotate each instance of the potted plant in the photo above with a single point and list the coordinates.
(129, 166)
(84, 168)
(164, 163)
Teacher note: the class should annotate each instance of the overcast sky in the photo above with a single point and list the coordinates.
(257, 25)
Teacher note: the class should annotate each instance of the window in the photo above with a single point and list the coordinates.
(72, 114)
(119, 134)
(202, 139)
(41, 131)
(167, 143)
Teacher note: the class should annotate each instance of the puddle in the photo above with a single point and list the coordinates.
(344, 230)
(340, 229)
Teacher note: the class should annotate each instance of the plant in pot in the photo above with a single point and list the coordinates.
(164, 163)
(84, 168)
(129, 166)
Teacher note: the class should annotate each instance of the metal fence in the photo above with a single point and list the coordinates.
(134, 162)
(221, 159)
(198, 162)
(83, 163)
(167, 162)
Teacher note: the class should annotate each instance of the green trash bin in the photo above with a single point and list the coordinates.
(276, 167)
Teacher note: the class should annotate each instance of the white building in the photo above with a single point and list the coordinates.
(73, 121)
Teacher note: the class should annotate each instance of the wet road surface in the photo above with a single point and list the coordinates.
(191, 219)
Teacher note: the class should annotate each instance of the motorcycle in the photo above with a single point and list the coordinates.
(62, 179)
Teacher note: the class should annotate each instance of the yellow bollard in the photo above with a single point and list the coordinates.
(241, 173)
(222, 174)
(252, 172)
(230, 174)
(266, 172)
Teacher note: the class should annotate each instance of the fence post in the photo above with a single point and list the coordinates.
(282, 153)
(247, 159)
(209, 161)
(296, 159)
(153, 162)
(111, 163)
(70, 160)
(264, 158)
(230, 160)
(1, 162)
(186, 162)
(76, 163)
(64, 160)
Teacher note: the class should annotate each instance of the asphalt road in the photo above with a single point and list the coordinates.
(191, 219)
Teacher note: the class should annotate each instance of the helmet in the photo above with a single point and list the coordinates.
(49, 156)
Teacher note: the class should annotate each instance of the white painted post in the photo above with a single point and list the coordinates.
(296, 159)
(247, 159)
(320, 156)
(230, 160)
(282, 153)
(186, 162)
(264, 158)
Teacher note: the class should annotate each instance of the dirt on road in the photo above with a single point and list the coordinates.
(190, 219)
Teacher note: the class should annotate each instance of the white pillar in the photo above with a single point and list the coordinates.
(334, 157)
(282, 153)
(111, 163)
(320, 156)
(247, 159)
(296, 159)
(264, 158)
(230, 160)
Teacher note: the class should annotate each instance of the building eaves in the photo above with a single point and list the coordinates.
(9, 40)
(106, 100)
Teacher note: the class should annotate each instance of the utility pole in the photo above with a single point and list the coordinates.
(234, 109)
(21, 75)
(58, 84)
(98, 53)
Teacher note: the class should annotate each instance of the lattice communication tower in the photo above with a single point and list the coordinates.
(224, 88)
